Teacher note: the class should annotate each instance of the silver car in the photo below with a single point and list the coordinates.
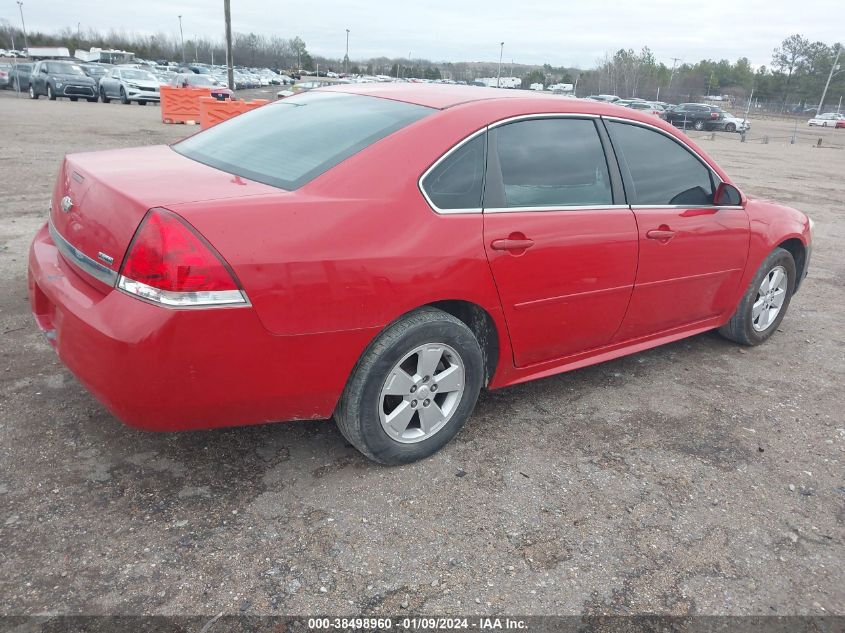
(129, 84)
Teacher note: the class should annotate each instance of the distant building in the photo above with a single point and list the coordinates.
(105, 56)
(47, 52)
(562, 88)
(501, 82)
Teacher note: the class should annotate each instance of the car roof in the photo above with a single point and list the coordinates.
(443, 96)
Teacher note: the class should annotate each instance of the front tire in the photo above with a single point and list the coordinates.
(698, 125)
(50, 94)
(413, 389)
(142, 102)
(123, 98)
(103, 96)
(764, 304)
(730, 127)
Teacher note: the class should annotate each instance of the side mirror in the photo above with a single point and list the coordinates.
(727, 195)
(44, 69)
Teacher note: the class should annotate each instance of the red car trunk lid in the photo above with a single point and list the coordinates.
(100, 198)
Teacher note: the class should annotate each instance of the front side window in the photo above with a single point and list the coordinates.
(556, 162)
(457, 181)
(663, 172)
(288, 143)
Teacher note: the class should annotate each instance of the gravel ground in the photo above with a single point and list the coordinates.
(697, 478)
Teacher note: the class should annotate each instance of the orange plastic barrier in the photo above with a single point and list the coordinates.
(213, 111)
(181, 105)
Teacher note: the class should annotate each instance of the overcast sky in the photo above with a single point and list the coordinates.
(573, 33)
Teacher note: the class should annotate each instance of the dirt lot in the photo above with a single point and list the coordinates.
(697, 478)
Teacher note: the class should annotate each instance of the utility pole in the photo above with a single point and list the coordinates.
(834, 70)
(499, 73)
(182, 36)
(675, 61)
(23, 24)
(230, 71)
(346, 59)
(78, 29)
(409, 63)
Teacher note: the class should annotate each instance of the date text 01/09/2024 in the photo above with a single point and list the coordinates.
(418, 624)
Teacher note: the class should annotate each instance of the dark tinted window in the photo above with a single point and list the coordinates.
(288, 143)
(662, 170)
(553, 162)
(456, 183)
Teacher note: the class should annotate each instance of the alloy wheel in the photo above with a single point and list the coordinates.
(421, 393)
(770, 297)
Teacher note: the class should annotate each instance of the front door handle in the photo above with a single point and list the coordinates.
(512, 244)
(662, 234)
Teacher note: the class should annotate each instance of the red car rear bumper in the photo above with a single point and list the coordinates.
(167, 370)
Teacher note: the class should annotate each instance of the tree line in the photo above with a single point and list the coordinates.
(796, 75)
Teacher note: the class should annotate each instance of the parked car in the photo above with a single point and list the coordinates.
(128, 85)
(731, 123)
(61, 79)
(828, 119)
(384, 287)
(646, 106)
(19, 75)
(95, 71)
(191, 80)
(5, 69)
(698, 116)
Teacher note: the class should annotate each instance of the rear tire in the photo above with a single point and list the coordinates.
(73, 98)
(753, 321)
(396, 357)
(103, 96)
(698, 125)
(92, 99)
(32, 93)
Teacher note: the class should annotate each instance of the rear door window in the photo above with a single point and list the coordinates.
(556, 162)
(290, 142)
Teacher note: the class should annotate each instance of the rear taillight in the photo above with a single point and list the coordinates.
(714, 115)
(169, 263)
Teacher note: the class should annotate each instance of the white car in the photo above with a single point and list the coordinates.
(129, 84)
(735, 124)
(826, 120)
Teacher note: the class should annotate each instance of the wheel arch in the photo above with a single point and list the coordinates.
(796, 248)
(483, 327)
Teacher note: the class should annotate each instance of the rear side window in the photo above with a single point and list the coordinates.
(288, 143)
(457, 181)
(663, 172)
(553, 163)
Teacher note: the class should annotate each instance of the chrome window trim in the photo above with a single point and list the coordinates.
(544, 115)
(81, 260)
(562, 208)
(434, 166)
(718, 207)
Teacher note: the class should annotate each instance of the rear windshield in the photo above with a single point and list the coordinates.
(288, 143)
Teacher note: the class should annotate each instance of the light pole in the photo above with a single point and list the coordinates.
(182, 37)
(23, 24)
(834, 70)
(499, 73)
(230, 70)
(346, 58)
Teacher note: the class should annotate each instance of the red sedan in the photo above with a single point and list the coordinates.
(380, 253)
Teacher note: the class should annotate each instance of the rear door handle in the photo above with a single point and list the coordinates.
(663, 234)
(511, 244)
